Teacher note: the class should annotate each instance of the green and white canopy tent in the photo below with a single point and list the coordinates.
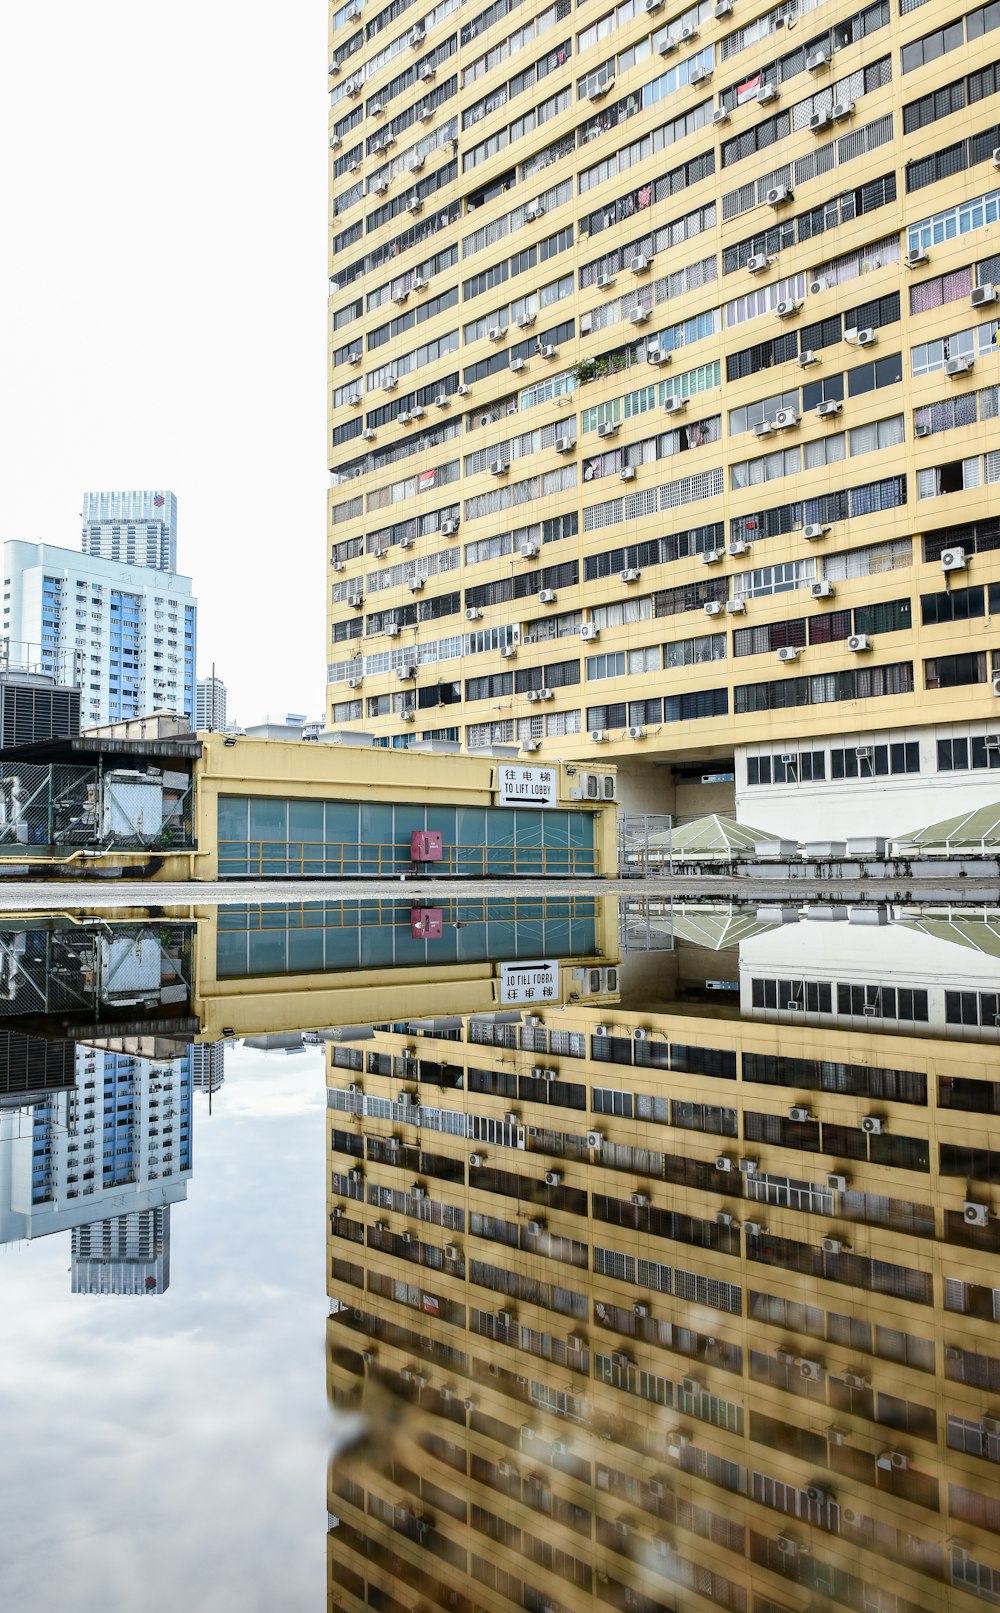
(714, 836)
(970, 833)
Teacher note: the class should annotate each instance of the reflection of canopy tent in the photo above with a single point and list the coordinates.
(718, 927)
(712, 836)
(980, 932)
(972, 832)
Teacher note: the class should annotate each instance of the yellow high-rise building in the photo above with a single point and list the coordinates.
(663, 395)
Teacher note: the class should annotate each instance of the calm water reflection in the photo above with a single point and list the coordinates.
(662, 1267)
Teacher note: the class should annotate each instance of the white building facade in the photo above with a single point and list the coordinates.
(210, 712)
(138, 528)
(125, 635)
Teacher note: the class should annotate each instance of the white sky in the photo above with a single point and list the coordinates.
(163, 298)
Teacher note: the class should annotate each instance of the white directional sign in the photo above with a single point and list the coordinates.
(535, 982)
(527, 786)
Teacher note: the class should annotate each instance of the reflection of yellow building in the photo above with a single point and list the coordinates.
(663, 1312)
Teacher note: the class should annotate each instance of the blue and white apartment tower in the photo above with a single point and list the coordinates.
(138, 528)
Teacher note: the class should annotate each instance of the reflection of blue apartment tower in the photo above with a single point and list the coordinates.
(104, 1160)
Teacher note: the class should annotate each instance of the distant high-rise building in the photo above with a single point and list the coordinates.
(210, 705)
(126, 634)
(137, 528)
(126, 1254)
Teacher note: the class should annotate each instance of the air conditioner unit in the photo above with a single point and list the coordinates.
(528, 551)
(724, 8)
(810, 1370)
(923, 428)
(818, 59)
(608, 429)
(627, 473)
(548, 350)
(841, 110)
(788, 652)
(414, 204)
(377, 109)
(442, 400)
(630, 574)
(638, 1201)
(799, 1115)
(667, 45)
(656, 355)
(546, 596)
(499, 467)
(417, 412)
(763, 428)
(380, 186)
(815, 529)
(959, 366)
(735, 607)
(508, 652)
(392, 629)
(785, 419)
(639, 316)
(653, 5)
(518, 364)
(748, 1166)
(604, 282)
(473, 613)
(415, 163)
(599, 736)
(688, 32)
(996, 683)
(673, 404)
(496, 333)
(721, 115)
(416, 583)
(699, 75)
(767, 92)
(589, 632)
(530, 744)
(404, 673)
(758, 263)
(640, 263)
(354, 683)
(534, 211)
(712, 608)
(871, 1125)
(400, 297)
(546, 694)
(525, 322)
(738, 547)
(975, 1215)
(553, 1179)
(916, 259)
(983, 295)
(533, 696)
(356, 601)
(565, 445)
(828, 408)
(787, 307)
(953, 559)
(354, 358)
(449, 527)
(860, 338)
(417, 35)
(425, 113)
(819, 121)
(352, 88)
(723, 1162)
(711, 557)
(338, 565)
(831, 1246)
(822, 590)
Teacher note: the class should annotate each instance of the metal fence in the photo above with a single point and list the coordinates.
(645, 844)
(61, 807)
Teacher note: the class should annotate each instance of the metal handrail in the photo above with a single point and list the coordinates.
(351, 859)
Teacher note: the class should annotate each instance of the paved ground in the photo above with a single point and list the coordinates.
(59, 896)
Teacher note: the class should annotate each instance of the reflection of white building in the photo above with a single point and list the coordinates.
(116, 1144)
(125, 1254)
(934, 973)
(208, 1066)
